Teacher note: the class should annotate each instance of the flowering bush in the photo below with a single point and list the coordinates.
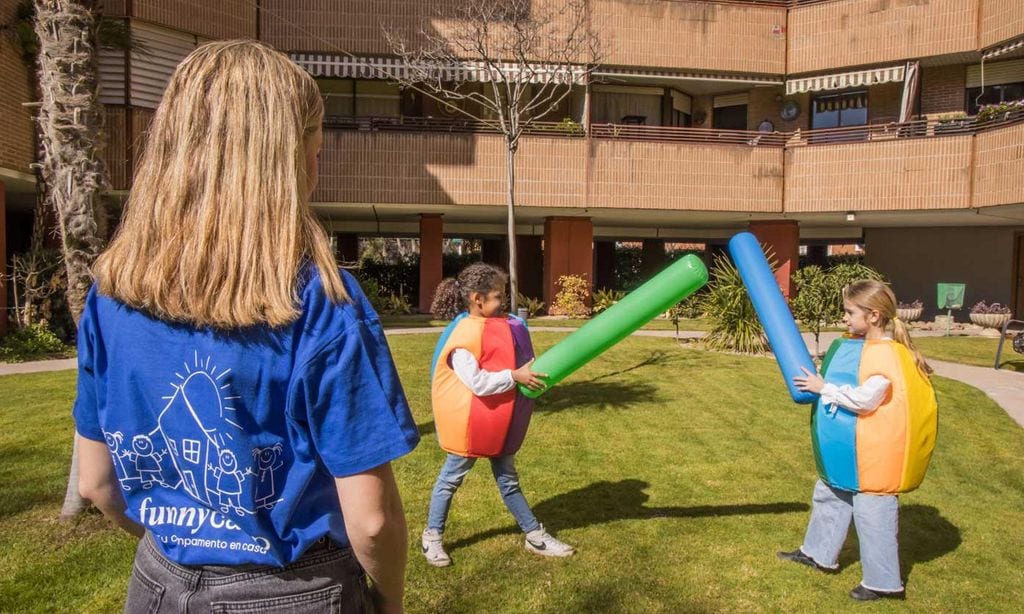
(571, 300)
(990, 112)
(982, 307)
(915, 305)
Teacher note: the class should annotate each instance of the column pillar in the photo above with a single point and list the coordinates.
(783, 238)
(568, 250)
(431, 233)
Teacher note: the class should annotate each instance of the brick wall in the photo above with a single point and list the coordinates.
(221, 19)
(762, 104)
(1000, 20)
(696, 35)
(679, 34)
(16, 130)
(863, 32)
(942, 89)
(999, 167)
(898, 175)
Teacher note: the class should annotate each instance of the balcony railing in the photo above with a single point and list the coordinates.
(441, 124)
(916, 129)
(672, 134)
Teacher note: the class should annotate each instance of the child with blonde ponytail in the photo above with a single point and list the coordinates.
(238, 408)
(873, 432)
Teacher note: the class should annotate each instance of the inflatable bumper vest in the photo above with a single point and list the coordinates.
(886, 451)
(469, 425)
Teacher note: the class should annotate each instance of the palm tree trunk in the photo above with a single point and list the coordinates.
(70, 127)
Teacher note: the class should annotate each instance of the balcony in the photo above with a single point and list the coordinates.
(923, 165)
(223, 19)
(738, 37)
(823, 36)
(999, 20)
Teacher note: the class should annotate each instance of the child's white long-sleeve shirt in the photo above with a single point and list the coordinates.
(862, 399)
(482, 383)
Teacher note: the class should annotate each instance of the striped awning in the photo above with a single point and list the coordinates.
(845, 80)
(342, 66)
(623, 75)
(1003, 49)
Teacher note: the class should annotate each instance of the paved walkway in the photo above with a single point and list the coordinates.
(1004, 387)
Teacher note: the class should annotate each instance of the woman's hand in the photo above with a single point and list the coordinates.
(809, 381)
(531, 379)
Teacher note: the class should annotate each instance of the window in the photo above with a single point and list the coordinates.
(730, 118)
(190, 450)
(993, 94)
(839, 110)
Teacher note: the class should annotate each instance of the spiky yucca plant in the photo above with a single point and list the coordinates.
(734, 323)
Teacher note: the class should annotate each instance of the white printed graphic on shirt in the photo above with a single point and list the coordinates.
(195, 446)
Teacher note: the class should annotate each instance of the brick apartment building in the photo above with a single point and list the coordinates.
(810, 122)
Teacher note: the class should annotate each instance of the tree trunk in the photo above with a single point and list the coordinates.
(513, 273)
(70, 128)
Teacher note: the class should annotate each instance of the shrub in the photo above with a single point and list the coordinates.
(571, 299)
(605, 298)
(372, 291)
(32, 342)
(734, 323)
(819, 294)
(396, 305)
(533, 306)
(917, 304)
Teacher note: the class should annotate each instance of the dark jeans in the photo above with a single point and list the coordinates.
(326, 578)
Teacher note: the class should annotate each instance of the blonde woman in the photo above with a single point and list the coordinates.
(237, 404)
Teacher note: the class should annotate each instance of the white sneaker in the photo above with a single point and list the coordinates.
(433, 551)
(541, 542)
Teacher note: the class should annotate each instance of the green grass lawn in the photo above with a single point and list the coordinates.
(980, 351)
(676, 473)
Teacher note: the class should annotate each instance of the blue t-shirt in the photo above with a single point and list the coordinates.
(226, 443)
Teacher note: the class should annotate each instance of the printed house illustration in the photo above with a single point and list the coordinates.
(191, 424)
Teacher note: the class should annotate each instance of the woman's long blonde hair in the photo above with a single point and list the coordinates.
(871, 295)
(218, 222)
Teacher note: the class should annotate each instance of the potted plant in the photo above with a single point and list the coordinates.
(990, 316)
(1001, 111)
(909, 312)
(951, 122)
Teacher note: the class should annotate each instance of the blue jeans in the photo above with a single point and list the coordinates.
(877, 520)
(454, 471)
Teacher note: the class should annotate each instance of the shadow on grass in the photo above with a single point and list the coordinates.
(583, 396)
(596, 395)
(603, 502)
(924, 536)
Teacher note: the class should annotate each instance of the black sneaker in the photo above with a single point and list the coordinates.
(798, 556)
(862, 593)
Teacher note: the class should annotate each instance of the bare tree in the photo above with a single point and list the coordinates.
(526, 55)
(70, 120)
